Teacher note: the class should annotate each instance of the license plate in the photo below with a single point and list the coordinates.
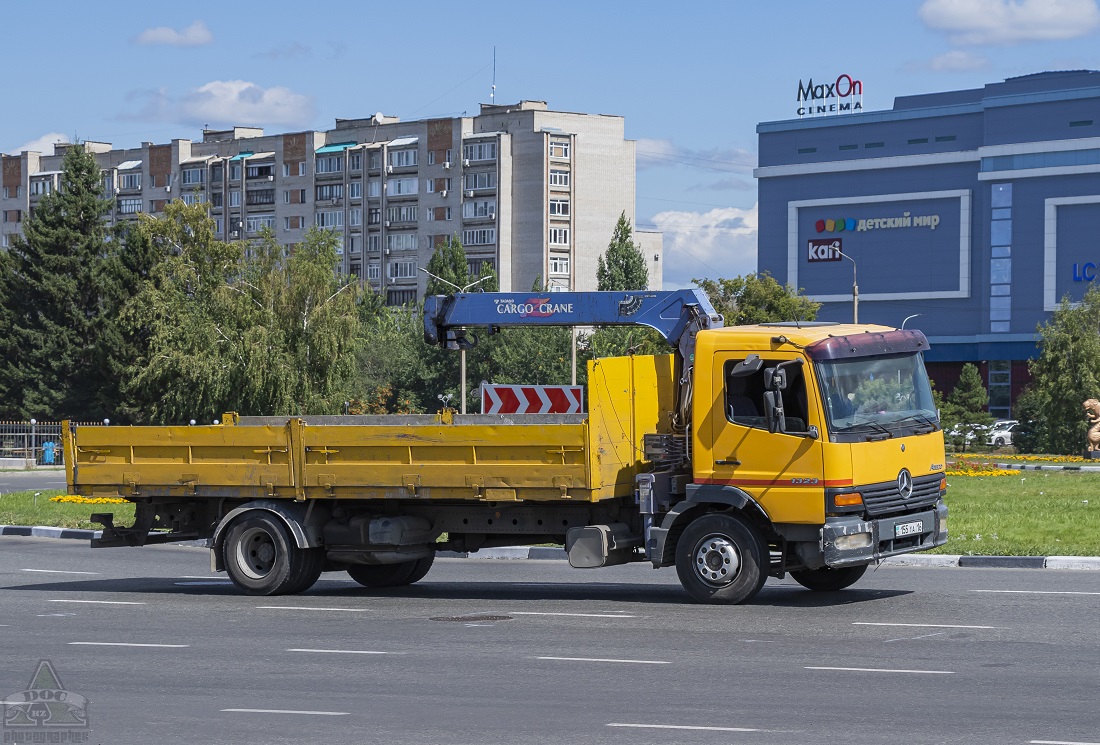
(908, 529)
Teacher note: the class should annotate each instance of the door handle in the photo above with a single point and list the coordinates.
(730, 462)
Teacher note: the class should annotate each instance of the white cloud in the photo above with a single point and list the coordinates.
(666, 154)
(958, 61)
(43, 144)
(1010, 21)
(718, 243)
(241, 102)
(195, 35)
(225, 103)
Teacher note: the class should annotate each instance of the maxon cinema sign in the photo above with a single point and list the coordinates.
(845, 95)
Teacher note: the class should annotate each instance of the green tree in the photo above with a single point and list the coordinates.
(622, 267)
(49, 290)
(1065, 374)
(964, 411)
(757, 298)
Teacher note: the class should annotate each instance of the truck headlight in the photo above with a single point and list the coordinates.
(853, 541)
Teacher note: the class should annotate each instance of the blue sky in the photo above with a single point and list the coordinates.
(691, 79)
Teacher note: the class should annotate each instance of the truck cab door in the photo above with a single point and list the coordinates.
(782, 471)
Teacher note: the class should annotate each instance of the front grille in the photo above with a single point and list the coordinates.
(885, 499)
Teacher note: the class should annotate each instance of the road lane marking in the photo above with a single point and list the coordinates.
(1061, 742)
(291, 711)
(575, 615)
(602, 659)
(883, 670)
(127, 644)
(682, 726)
(310, 607)
(342, 651)
(926, 625)
(98, 602)
(55, 571)
(1039, 592)
(201, 583)
(913, 638)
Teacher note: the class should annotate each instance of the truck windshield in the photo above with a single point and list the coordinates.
(877, 397)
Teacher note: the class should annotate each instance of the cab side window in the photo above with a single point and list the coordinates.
(744, 397)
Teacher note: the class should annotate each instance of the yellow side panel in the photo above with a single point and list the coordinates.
(628, 398)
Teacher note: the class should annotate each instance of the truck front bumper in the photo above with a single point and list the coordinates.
(847, 541)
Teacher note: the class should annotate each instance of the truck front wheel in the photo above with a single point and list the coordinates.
(262, 559)
(720, 559)
(829, 579)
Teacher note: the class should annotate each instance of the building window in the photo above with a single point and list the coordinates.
(194, 198)
(396, 298)
(402, 158)
(806, 150)
(264, 170)
(479, 151)
(292, 223)
(849, 147)
(401, 186)
(559, 207)
(373, 270)
(919, 141)
(374, 187)
(1000, 388)
(330, 163)
(945, 138)
(482, 180)
(129, 206)
(479, 237)
(479, 208)
(234, 199)
(329, 219)
(234, 171)
(216, 172)
(355, 216)
(559, 236)
(401, 241)
(216, 198)
(355, 162)
(407, 213)
(256, 223)
(559, 264)
(374, 242)
(558, 177)
(355, 245)
(127, 181)
(44, 186)
(375, 160)
(219, 226)
(559, 148)
(330, 191)
(402, 269)
(355, 190)
(869, 145)
(374, 216)
(193, 176)
(260, 196)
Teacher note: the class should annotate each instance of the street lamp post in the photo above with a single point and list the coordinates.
(462, 350)
(855, 288)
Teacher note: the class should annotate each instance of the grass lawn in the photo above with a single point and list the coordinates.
(22, 508)
(1032, 513)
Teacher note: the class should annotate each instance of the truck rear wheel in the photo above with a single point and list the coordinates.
(720, 558)
(262, 559)
(391, 575)
(829, 579)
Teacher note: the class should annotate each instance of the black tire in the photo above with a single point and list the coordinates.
(829, 579)
(383, 575)
(420, 570)
(262, 559)
(999, 442)
(721, 559)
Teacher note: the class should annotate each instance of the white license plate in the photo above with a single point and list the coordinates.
(908, 529)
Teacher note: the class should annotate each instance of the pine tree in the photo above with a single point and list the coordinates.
(622, 267)
(757, 298)
(50, 291)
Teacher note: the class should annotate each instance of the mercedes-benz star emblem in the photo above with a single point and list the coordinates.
(905, 483)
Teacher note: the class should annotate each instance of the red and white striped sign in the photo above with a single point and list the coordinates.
(530, 399)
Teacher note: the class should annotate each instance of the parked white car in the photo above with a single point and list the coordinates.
(1001, 433)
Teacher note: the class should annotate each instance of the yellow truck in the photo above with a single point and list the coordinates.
(812, 449)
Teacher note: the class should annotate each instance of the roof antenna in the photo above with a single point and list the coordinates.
(493, 91)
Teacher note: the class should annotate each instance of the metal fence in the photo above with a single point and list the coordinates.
(33, 441)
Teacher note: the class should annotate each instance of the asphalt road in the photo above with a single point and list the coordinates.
(497, 651)
(37, 479)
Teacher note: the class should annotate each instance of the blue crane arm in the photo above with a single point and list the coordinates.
(675, 314)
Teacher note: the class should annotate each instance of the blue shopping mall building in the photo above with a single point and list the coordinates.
(977, 209)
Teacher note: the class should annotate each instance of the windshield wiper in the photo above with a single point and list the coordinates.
(882, 434)
(923, 419)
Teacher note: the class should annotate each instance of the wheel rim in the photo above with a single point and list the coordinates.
(717, 560)
(256, 553)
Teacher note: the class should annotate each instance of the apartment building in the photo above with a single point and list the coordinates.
(532, 192)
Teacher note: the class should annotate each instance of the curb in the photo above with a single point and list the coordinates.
(1017, 467)
(551, 553)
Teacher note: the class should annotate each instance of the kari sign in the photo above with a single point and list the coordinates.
(827, 249)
